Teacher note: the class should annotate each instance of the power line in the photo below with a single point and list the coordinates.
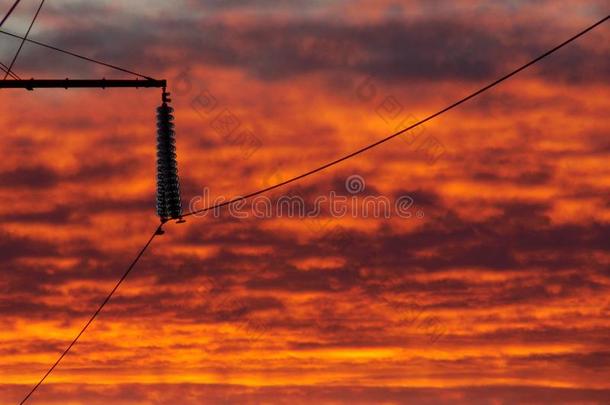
(24, 39)
(157, 232)
(10, 11)
(54, 48)
(65, 352)
(4, 68)
(430, 117)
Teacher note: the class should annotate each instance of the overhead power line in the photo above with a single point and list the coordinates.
(24, 39)
(96, 313)
(4, 68)
(54, 48)
(10, 11)
(394, 135)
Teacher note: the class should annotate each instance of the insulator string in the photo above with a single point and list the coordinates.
(168, 185)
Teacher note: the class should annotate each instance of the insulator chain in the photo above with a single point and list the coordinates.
(168, 187)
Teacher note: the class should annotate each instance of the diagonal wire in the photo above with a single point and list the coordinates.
(4, 68)
(24, 39)
(386, 139)
(54, 48)
(10, 11)
(65, 352)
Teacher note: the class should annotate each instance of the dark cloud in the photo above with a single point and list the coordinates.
(526, 178)
(37, 177)
(14, 247)
(57, 215)
(421, 49)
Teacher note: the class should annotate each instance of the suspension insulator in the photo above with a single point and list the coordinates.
(168, 186)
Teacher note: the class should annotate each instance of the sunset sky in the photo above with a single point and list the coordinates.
(493, 289)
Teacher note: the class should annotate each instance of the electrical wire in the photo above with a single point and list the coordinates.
(54, 48)
(84, 328)
(24, 39)
(394, 135)
(4, 68)
(10, 11)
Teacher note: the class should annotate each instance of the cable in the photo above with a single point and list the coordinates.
(10, 11)
(24, 39)
(158, 231)
(430, 117)
(4, 68)
(76, 55)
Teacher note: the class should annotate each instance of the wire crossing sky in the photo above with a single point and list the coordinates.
(23, 41)
(4, 68)
(95, 314)
(402, 131)
(9, 12)
(88, 59)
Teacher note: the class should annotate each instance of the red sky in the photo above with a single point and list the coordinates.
(494, 291)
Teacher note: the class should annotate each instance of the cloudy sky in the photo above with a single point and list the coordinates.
(492, 289)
